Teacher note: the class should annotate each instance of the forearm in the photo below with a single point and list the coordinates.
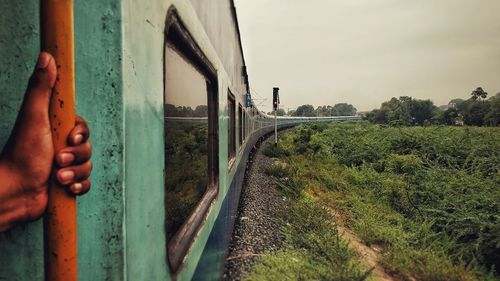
(12, 202)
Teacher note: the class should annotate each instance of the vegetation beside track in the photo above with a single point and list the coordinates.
(313, 248)
(427, 197)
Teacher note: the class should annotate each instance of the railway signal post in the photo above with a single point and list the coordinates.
(276, 102)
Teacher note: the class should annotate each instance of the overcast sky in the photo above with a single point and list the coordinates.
(364, 52)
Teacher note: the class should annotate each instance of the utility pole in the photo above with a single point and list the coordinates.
(276, 102)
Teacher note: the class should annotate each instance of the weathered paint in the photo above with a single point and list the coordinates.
(99, 100)
(145, 247)
(21, 249)
(143, 39)
(220, 25)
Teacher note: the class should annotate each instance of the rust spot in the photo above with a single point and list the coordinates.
(61, 103)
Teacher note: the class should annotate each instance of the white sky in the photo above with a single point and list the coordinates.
(364, 52)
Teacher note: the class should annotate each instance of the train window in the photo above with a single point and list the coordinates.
(240, 125)
(191, 144)
(231, 124)
(244, 126)
(248, 123)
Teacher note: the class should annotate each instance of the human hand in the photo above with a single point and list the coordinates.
(28, 157)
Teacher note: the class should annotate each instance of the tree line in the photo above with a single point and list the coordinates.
(185, 111)
(307, 110)
(478, 110)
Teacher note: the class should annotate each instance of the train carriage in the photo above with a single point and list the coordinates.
(163, 85)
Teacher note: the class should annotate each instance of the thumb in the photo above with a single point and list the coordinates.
(37, 96)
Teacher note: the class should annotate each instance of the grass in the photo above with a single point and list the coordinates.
(313, 251)
(429, 197)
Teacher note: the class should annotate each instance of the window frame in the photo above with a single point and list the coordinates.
(176, 34)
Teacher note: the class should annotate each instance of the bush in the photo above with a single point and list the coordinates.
(275, 151)
(429, 196)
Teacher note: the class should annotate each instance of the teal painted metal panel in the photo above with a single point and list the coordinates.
(21, 249)
(99, 98)
(144, 146)
(100, 101)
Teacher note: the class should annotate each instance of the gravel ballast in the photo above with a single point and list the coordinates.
(256, 228)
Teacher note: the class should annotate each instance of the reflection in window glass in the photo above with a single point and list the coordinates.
(186, 139)
(240, 125)
(244, 126)
(231, 127)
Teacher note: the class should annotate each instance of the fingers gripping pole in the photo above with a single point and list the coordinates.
(60, 224)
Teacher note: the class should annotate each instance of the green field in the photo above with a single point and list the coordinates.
(427, 197)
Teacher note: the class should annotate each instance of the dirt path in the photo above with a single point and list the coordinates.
(369, 256)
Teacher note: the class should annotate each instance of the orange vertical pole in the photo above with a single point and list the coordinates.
(60, 224)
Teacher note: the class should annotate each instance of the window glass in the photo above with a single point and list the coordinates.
(231, 126)
(186, 139)
(240, 125)
(244, 126)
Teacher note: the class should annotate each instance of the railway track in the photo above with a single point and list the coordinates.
(256, 229)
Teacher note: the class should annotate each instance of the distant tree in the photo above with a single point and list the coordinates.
(343, 109)
(398, 111)
(492, 118)
(479, 111)
(378, 116)
(171, 110)
(306, 110)
(405, 111)
(324, 110)
(339, 109)
(178, 111)
(421, 111)
(478, 94)
(456, 101)
(280, 112)
(451, 116)
(185, 111)
(475, 113)
(200, 111)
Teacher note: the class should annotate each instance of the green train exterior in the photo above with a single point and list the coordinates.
(120, 90)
